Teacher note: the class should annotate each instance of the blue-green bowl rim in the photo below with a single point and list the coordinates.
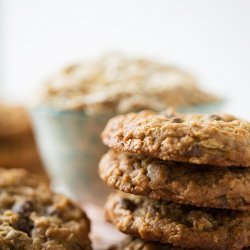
(58, 111)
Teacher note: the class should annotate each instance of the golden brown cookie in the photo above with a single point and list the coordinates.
(33, 217)
(180, 225)
(17, 144)
(204, 186)
(14, 121)
(218, 140)
(116, 83)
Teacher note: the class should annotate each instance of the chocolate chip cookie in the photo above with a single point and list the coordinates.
(219, 140)
(180, 225)
(204, 185)
(32, 217)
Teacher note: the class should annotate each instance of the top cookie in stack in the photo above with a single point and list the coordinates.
(219, 140)
(197, 160)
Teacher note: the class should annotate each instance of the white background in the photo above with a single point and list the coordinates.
(211, 38)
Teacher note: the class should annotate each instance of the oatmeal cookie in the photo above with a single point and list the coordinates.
(180, 225)
(119, 84)
(32, 217)
(205, 185)
(219, 140)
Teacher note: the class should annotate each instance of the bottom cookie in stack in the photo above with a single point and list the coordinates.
(180, 225)
(32, 217)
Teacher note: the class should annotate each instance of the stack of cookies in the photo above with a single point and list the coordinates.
(185, 180)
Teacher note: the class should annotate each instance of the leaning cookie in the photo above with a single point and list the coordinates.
(180, 225)
(32, 217)
(133, 243)
(205, 186)
(216, 140)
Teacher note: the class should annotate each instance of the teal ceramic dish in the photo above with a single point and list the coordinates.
(203, 108)
(70, 146)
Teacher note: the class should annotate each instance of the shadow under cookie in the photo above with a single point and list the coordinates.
(133, 243)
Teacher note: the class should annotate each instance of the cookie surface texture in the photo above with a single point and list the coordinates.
(180, 225)
(32, 217)
(205, 185)
(219, 140)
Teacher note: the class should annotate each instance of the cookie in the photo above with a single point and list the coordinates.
(133, 243)
(32, 217)
(204, 185)
(219, 140)
(17, 143)
(116, 83)
(180, 225)
(21, 154)
(14, 121)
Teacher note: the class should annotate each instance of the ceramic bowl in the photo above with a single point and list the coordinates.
(70, 146)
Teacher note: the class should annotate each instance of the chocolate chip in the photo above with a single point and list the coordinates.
(128, 204)
(23, 210)
(214, 118)
(154, 210)
(24, 224)
(176, 120)
(195, 151)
